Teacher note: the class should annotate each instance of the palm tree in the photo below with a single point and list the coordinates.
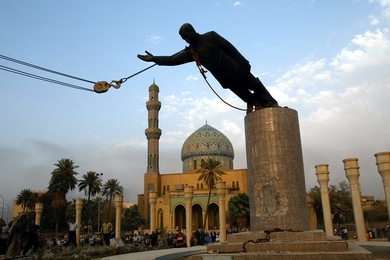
(90, 184)
(24, 198)
(238, 208)
(210, 175)
(62, 180)
(110, 189)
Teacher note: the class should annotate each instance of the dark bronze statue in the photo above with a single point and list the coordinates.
(223, 60)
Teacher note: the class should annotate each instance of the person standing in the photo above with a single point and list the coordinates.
(106, 231)
(72, 231)
(17, 232)
(4, 237)
(32, 237)
(346, 233)
(213, 236)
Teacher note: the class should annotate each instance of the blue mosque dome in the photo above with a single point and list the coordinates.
(206, 143)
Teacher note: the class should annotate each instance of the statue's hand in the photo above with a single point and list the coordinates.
(148, 57)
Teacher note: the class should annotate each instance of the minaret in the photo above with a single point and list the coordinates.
(152, 177)
(153, 133)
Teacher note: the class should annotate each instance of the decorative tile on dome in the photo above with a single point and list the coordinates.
(207, 141)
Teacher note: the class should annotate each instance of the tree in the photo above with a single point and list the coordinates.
(238, 209)
(90, 184)
(132, 219)
(210, 174)
(340, 203)
(62, 180)
(110, 189)
(24, 198)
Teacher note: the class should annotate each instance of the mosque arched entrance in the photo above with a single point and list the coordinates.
(197, 216)
(180, 217)
(213, 216)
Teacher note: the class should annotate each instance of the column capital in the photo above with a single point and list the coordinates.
(221, 188)
(38, 207)
(189, 192)
(79, 204)
(383, 164)
(351, 168)
(322, 172)
(152, 197)
(118, 201)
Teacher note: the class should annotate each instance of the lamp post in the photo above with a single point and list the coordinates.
(100, 196)
(9, 212)
(2, 210)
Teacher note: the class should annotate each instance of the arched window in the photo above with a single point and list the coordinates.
(194, 165)
(201, 186)
(167, 187)
(233, 184)
(237, 184)
(164, 189)
(197, 186)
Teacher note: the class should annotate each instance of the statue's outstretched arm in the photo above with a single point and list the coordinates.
(177, 59)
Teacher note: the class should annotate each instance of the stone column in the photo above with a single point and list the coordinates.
(153, 202)
(276, 178)
(118, 215)
(322, 173)
(351, 168)
(383, 163)
(188, 195)
(221, 191)
(79, 208)
(38, 213)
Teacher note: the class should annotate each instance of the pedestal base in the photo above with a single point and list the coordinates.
(287, 245)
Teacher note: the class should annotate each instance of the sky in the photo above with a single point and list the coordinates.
(329, 60)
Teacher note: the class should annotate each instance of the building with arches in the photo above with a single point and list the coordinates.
(206, 142)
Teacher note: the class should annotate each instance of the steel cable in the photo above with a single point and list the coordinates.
(43, 78)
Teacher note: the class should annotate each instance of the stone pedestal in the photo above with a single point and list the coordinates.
(38, 213)
(276, 179)
(351, 168)
(383, 163)
(322, 173)
(153, 202)
(118, 215)
(221, 191)
(188, 195)
(79, 208)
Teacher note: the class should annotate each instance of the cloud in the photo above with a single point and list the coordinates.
(191, 78)
(237, 4)
(386, 7)
(373, 20)
(154, 39)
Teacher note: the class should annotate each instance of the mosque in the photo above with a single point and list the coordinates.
(206, 142)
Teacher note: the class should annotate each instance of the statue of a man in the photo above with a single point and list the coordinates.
(223, 60)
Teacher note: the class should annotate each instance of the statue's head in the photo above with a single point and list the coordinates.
(188, 33)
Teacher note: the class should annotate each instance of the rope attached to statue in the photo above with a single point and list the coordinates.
(203, 72)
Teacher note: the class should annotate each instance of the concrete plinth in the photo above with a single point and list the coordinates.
(383, 163)
(118, 215)
(79, 208)
(276, 180)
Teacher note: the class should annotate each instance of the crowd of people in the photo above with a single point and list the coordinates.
(372, 233)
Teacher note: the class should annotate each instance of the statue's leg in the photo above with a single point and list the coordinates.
(247, 97)
(261, 94)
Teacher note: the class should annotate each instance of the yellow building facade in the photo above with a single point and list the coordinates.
(205, 143)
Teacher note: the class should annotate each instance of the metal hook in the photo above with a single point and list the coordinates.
(103, 86)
